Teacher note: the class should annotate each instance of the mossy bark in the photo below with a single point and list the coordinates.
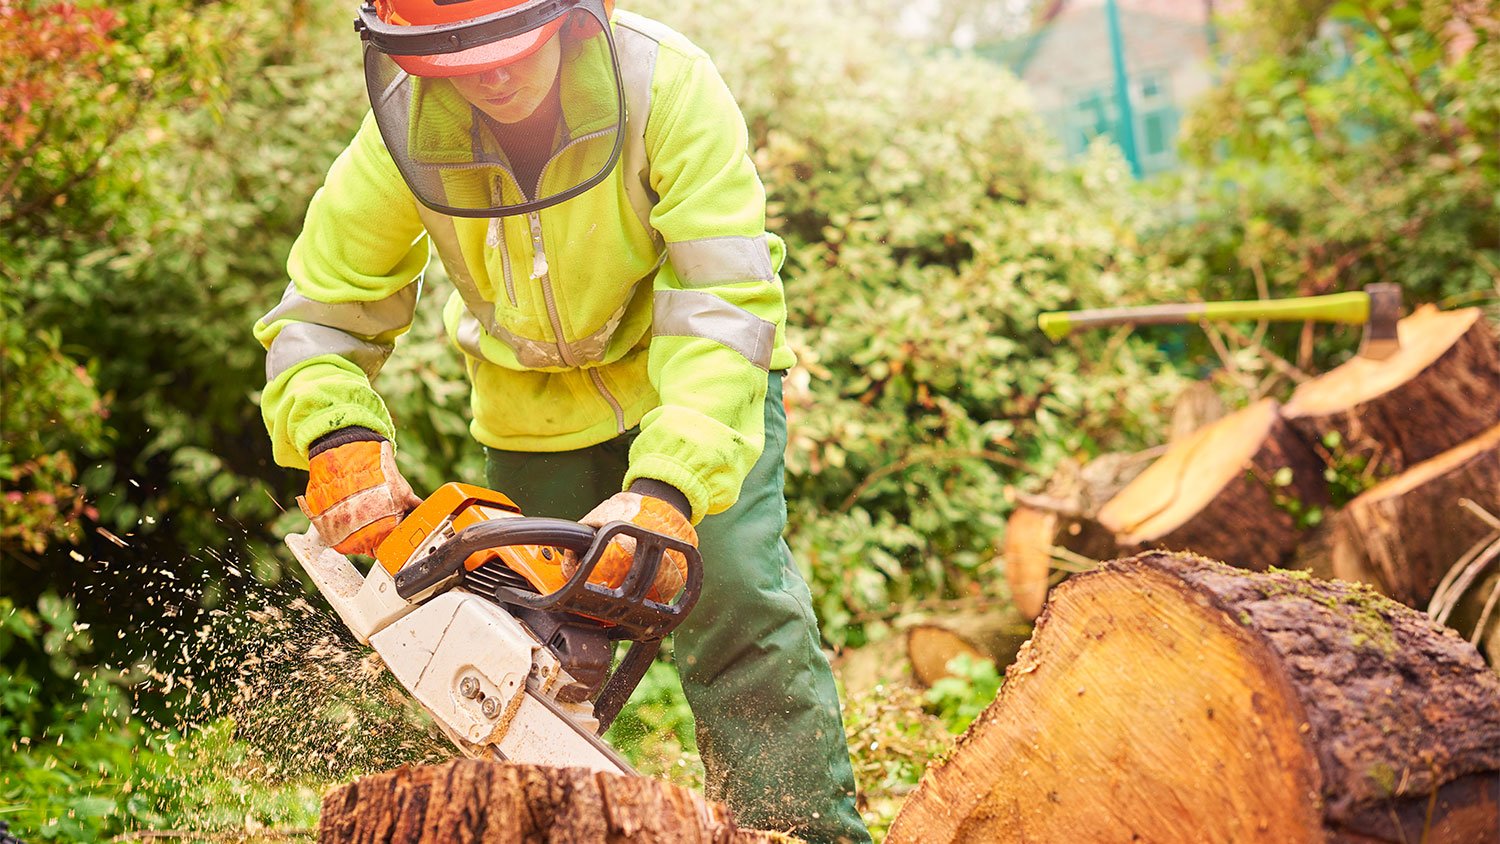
(1169, 698)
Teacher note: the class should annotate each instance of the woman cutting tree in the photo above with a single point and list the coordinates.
(586, 183)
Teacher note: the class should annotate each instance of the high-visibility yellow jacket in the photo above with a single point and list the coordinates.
(652, 299)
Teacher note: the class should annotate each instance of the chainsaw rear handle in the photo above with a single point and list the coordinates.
(626, 606)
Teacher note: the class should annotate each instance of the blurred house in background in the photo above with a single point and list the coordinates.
(1088, 61)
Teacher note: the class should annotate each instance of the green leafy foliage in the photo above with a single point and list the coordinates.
(1350, 470)
(969, 688)
(50, 409)
(926, 231)
(892, 738)
(1365, 154)
(81, 767)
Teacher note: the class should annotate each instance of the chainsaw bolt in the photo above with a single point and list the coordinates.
(491, 708)
(469, 687)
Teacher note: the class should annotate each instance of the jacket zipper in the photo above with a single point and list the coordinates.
(539, 273)
(609, 397)
(542, 272)
(498, 226)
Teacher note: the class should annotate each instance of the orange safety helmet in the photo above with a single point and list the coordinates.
(448, 19)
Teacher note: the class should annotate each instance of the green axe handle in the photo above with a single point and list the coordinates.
(1352, 308)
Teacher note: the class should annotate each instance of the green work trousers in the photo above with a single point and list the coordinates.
(767, 712)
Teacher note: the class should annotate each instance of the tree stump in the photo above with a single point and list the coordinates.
(1405, 533)
(995, 634)
(1168, 698)
(471, 800)
(1235, 490)
(1440, 389)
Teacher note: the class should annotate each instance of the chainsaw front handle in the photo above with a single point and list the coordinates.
(626, 606)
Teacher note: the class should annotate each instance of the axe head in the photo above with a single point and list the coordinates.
(1381, 340)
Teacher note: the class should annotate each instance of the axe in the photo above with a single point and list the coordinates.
(1377, 308)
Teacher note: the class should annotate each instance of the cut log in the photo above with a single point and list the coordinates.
(1063, 516)
(1236, 490)
(930, 649)
(499, 803)
(995, 634)
(1032, 534)
(1405, 533)
(1440, 389)
(1168, 698)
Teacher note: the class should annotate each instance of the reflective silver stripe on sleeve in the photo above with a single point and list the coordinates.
(716, 260)
(368, 319)
(637, 54)
(689, 313)
(302, 341)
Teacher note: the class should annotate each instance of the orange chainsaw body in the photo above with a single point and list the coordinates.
(455, 506)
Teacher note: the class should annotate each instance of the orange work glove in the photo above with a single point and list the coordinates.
(355, 494)
(648, 512)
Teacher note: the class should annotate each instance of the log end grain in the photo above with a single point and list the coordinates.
(931, 648)
(1029, 533)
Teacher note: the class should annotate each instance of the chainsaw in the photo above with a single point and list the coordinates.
(468, 605)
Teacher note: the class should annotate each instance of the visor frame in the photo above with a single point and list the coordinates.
(439, 39)
(595, 9)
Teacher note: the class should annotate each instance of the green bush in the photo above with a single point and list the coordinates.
(1365, 154)
(928, 223)
(50, 411)
(969, 689)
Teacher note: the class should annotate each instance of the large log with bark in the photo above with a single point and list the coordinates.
(1441, 389)
(1168, 698)
(470, 800)
(1235, 490)
(1405, 533)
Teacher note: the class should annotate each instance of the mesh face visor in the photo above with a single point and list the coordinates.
(504, 114)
